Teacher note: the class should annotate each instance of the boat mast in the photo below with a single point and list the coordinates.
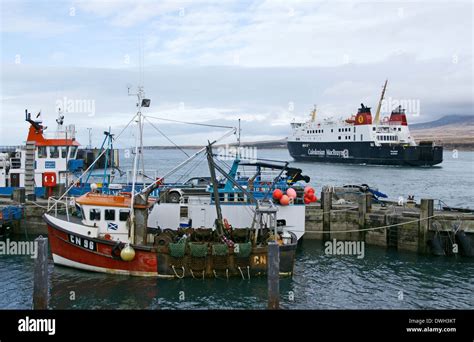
(313, 114)
(142, 102)
(377, 114)
(215, 187)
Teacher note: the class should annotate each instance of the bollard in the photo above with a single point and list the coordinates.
(273, 275)
(18, 195)
(326, 204)
(41, 283)
(426, 210)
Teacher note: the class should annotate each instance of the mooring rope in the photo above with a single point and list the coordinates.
(376, 228)
(176, 273)
(335, 210)
(241, 273)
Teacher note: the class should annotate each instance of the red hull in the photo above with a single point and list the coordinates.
(96, 255)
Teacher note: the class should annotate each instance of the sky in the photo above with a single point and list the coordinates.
(265, 62)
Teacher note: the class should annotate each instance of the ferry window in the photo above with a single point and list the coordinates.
(339, 137)
(109, 214)
(331, 130)
(124, 214)
(399, 128)
(54, 152)
(94, 215)
(72, 152)
(63, 152)
(354, 130)
(373, 128)
(361, 137)
(42, 153)
(354, 137)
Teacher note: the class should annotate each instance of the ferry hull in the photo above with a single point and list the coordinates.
(365, 153)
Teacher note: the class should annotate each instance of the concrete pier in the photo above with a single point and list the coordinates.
(405, 228)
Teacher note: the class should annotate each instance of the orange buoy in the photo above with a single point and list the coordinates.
(277, 193)
(284, 200)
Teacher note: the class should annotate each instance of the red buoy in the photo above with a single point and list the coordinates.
(277, 193)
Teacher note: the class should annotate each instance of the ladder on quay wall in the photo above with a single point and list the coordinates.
(30, 168)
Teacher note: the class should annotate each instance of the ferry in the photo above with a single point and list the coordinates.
(361, 140)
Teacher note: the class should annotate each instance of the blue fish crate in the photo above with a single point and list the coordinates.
(11, 213)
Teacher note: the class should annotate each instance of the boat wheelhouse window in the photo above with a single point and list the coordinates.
(94, 215)
(124, 214)
(339, 137)
(361, 137)
(331, 130)
(109, 214)
(373, 128)
(399, 128)
(53, 151)
(42, 153)
(72, 152)
(354, 137)
(63, 152)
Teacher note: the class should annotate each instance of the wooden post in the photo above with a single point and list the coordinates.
(362, 212)
(368, 202)
(426, 210)
(326, 204)
(41, 282)
(273, 275)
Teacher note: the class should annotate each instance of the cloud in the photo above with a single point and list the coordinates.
(266, 99)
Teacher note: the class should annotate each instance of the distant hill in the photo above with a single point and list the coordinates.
(444, 121)
(451, 131)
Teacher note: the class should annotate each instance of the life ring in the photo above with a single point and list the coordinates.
(117, 249)
(360, 119)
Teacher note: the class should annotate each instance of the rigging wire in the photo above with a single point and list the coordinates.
(189, 123)
(167, 138)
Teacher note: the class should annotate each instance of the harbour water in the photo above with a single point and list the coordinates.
(383, 279)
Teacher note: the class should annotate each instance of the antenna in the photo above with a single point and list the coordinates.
(90, 137)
